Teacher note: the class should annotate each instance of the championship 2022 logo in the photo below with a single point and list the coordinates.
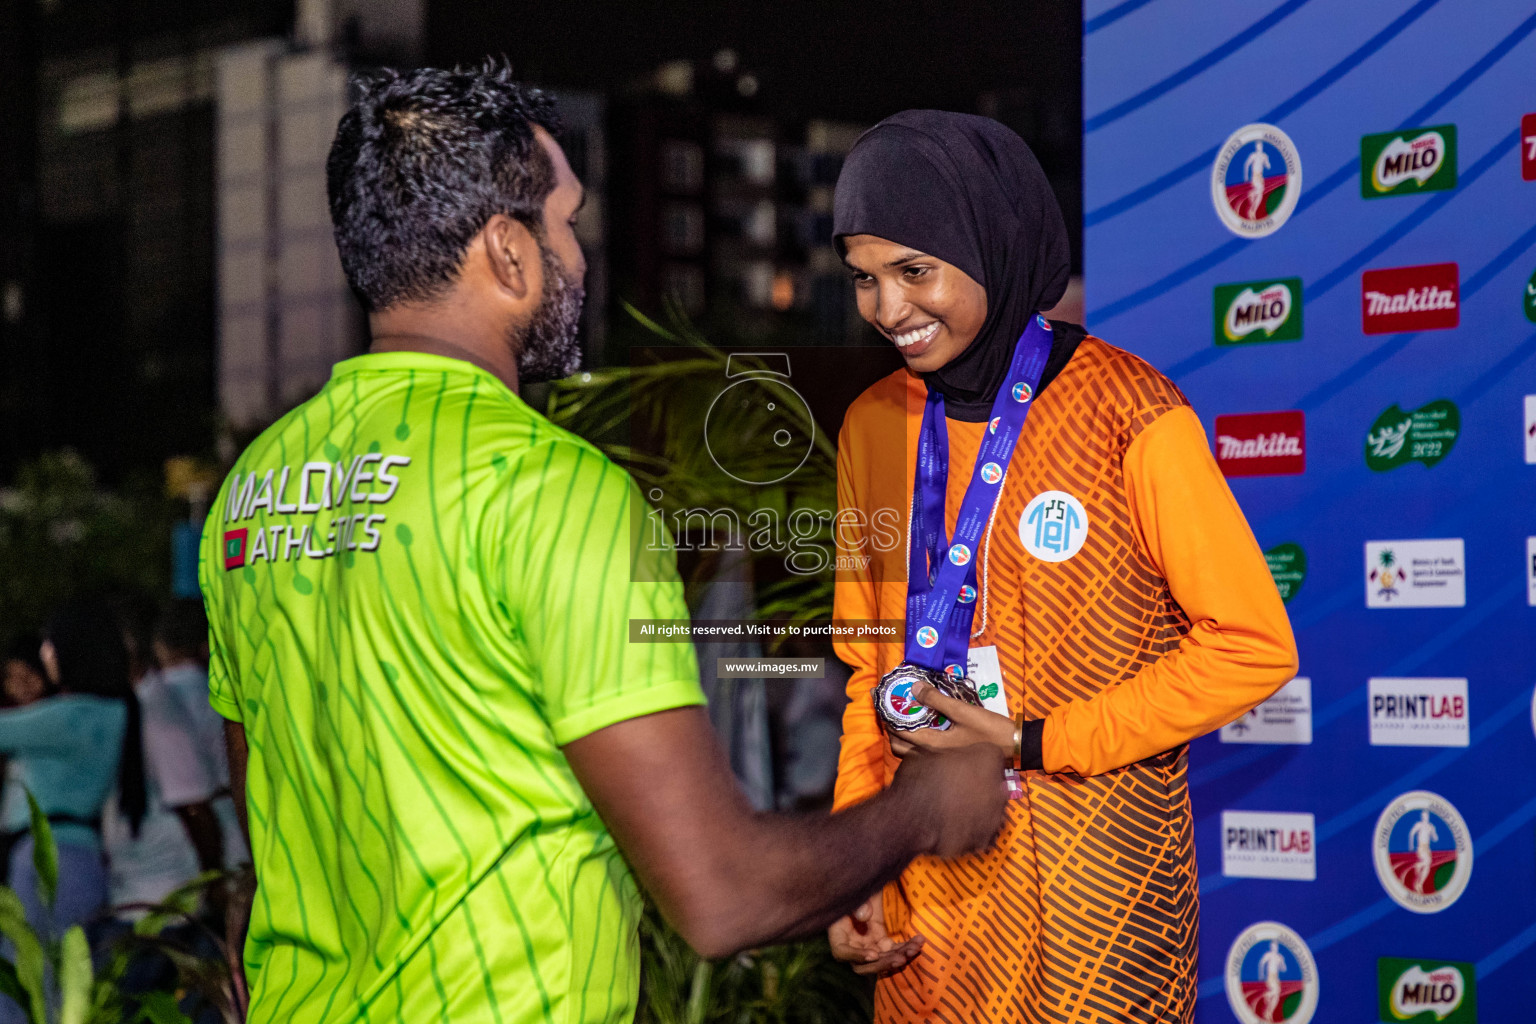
(1408, 162)
(1256, 180)
(1427, 435)
(1254, 311)
(1271, 976)
(1423, 852)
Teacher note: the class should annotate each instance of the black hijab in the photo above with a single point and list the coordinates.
(967, 190)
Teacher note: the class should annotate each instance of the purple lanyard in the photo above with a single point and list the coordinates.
(941, 574)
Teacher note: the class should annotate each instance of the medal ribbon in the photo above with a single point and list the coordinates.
(941, 573)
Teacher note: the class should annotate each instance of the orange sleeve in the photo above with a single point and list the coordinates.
(1239, 649)
(861, 761)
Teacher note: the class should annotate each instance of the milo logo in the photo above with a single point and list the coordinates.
(1403, 163)
(1253, 311)
(1427, 991)
(1426, 435)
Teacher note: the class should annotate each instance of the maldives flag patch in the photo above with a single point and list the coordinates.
(234, 549)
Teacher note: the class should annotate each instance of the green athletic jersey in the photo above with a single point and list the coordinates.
(418, 591)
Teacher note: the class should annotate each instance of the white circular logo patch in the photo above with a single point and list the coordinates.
(1054, 526)
(1423, 852)
(1256, 180)
(1271, 976)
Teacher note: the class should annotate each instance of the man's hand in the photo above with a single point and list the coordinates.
(960, 793)
(861, 940)
(729, 878)
(968, 724)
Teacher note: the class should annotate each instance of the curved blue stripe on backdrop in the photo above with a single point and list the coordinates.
(1207, 60)
(1287, 107)
(1112, 15)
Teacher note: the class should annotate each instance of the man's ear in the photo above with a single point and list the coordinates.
(512, 254)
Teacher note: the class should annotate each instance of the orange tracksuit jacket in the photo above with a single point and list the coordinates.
(1165, 626)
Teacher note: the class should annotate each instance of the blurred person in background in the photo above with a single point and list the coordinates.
(1120, 608)
(24, 681)
(69, 750)
(185, 831)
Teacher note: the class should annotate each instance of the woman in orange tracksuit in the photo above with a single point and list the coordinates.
(1121, 606)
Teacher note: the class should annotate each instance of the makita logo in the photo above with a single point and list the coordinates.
(1410, 298)
(1265, 446)
(1261, 444)
(1412, 301)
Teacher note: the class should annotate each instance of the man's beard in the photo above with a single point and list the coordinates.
(547, 347)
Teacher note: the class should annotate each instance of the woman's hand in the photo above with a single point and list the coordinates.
(861, 940)
(968, 724)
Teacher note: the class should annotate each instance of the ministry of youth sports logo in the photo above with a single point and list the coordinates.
(1423, 852)
(1053, 526)
(1271, 976)
(1256, 180)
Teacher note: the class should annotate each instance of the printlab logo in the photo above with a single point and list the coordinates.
(1262, 443)
(1419, 713)
(1256, 180)
(1408, 162)
(1424, 298)
(1528, 147)
(1285, 718)
(1423, 852)
(1415, 573)
(1053, 526)
(1263, 844)
(1530, 430)
(1258, 311)
(1288, 566)
(1271, 976)
(1426, 435)
(1428, 991)
(234, 548)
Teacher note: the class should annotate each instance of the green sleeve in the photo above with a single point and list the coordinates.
(578, 560)
(212, 578)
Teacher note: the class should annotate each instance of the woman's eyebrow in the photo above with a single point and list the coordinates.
(908, 257)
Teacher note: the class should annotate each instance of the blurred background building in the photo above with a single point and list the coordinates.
(168, 284)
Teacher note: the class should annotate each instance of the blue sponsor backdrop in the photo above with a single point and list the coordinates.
(1167, 81)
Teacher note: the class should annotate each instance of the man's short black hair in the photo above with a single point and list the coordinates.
(420, 162)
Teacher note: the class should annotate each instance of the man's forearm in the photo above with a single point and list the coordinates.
(791, 876)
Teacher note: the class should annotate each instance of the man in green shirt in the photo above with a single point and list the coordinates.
(419, 591)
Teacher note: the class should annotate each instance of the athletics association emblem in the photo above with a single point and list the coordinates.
(900, 704)
(1423, 852)
(959, 554)
(955, 671)
(1022, 392)
(991, 473)
(1256, 180)
(992, 427)
(1053, 526)
(927, 636)
(1271, 976)
(967, 594)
